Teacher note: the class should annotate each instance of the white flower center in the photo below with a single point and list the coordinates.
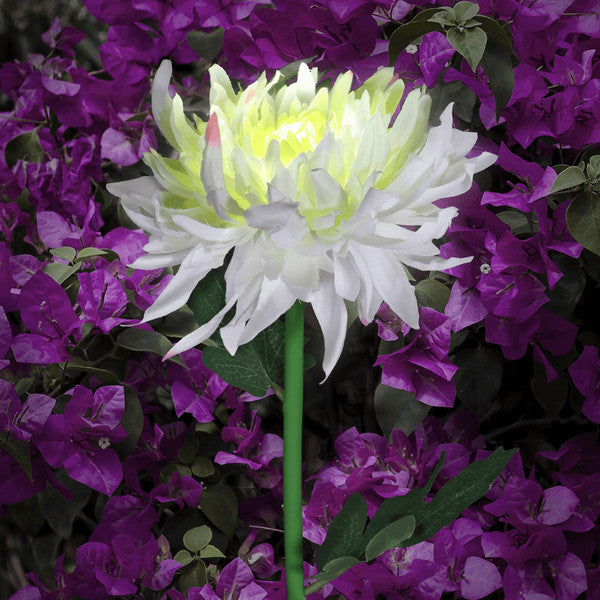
(103, 442)
(485, 268)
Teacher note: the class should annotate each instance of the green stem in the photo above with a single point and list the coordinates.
(292, 451)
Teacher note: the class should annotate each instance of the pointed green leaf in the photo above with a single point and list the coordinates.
(206, 44)
(398, 409)
(19, 450)
(25, 146)
(60, 513)
(345, 533)
(220, 506)
(432, 293)
(336, 567)
(133, 423)
(143, 340)
(583, 220)
(255, 365)
(60, 272)
(495, 31)
(469, 43)
(390, 537)
(459, 493)
(569, 178)
(65, 252)
(208, 297)
(478, 377)
(497, 64)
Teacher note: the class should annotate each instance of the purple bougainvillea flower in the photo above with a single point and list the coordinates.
(80, 439)
(254, 449)
(181, 489)
(195, 389)
(102, 299)
(422, 366)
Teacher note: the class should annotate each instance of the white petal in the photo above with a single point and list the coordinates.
(332, 315)
(201, 334)
(390, 280)
(148, 262)
(274, 300)
(193, 269)
(160, 88)
(208, 234)
(347, 282)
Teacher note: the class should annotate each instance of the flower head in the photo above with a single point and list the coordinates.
(319, 196)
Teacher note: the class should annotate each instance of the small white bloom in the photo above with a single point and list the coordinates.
(103, 442)
(317, 197)
(411, 49)
(485, 268)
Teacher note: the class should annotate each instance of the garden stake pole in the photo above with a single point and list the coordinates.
(292, 451)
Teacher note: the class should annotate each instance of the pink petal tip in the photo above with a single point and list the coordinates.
(213, 138)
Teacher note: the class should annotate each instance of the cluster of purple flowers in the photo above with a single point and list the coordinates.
(158, 447)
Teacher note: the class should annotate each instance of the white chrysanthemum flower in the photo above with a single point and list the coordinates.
(318, 197)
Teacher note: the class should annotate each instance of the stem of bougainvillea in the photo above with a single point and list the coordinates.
(292, 451)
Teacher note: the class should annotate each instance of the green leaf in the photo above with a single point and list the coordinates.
(345, 533)
(335, 568)
(497, 64)
(27, 515)
(425, 15)
(206, 45)
(405, 34)
(255, 365)
(398, 409)
(143, 340)
(457, 92)
(432, 293)
(177, 324)
(550, 395)
(220, 505)
(65, 252)
(85, 253)
(59, 271)
(197, 538)
(459, 493)
(568, 290)
(25, 146)
(203, 467)
(183, 557)
(208, 297)
(105, 376)
(568, 178)
(44, 549)
(19, 450)
(60, 512)
(495, 31)
(390, 537)
(465, 10)
(583, 220)
(211, 551)
(593, 167)
(456, 495)
(478, 378)
(194, 575)
(469, 43)
(132, 422)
